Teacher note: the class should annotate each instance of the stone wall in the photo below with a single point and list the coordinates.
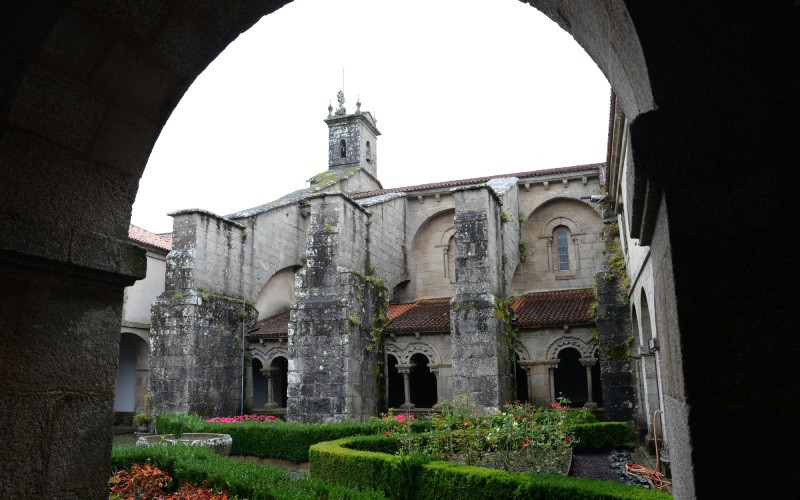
(387, 240)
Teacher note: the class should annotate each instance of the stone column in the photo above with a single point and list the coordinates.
(270, 374)
(551, 372)
(528, 366)
(588, 363)
(435, 371)
(59, 348)
(405, 370)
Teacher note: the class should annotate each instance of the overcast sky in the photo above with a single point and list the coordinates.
(460, 88)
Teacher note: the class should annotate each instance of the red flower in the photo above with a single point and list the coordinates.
(387, 434)
(525, 446)
(569, 436)
(394, 427)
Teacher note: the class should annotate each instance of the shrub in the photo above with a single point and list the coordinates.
(239, 479)
(347, 462)
(601, 435)
(288, 440)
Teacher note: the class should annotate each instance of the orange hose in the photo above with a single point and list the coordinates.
(656, 477)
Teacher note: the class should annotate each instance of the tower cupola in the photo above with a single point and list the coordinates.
(352, 139)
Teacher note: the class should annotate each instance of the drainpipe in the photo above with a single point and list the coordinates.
(241, 412)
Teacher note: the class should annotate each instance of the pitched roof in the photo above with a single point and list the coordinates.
(433, 315)
(554, 308)
(477, 180)
(429, 315)
(276, 326)
(139, 235)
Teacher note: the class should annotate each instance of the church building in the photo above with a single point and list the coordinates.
(344, 298)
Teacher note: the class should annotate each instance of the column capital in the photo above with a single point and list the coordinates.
(405, 368)
(269, 372)
(587, 362)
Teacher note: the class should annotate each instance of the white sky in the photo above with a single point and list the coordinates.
(460, 88)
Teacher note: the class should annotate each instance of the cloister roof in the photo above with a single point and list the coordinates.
(139, 235)
(532, 310)
(276, 326)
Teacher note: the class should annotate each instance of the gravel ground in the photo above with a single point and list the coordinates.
(607, 466)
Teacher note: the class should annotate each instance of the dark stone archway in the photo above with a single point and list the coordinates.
(711, 95)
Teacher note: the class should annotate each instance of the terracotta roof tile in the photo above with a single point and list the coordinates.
(276, 326)
(396, 310)
(475, 180)
(430, 315)
(554, 308)
(139, 235)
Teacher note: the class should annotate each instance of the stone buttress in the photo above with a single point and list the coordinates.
(195, 334)
(480, 353)
(332, 351)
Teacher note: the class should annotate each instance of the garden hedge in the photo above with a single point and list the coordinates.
(601, 435)
(341, 462)
(240, 479)
(288, 440)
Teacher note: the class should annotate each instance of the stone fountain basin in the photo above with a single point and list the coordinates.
(219, 443)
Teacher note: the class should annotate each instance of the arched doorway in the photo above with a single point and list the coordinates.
(423, 382)
(521, 376)
(280, 367)
(570, 377)
(394, 380)
(259, 385)
(132, 378)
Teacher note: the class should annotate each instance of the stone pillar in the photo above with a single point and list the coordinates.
(613, 325)
(59, 347)
(551, 372)
(541, 382)
(270, 374)
(333, 356)
(480, 343)
(405, 370)
(528, 366)
(435, 371)
(588, 363)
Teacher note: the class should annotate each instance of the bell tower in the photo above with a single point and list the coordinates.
(352, 139)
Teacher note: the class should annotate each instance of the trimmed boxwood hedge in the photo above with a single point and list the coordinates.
(601, 435)
(340, 463)
(288, 440)
(241, 479)
(291, 440)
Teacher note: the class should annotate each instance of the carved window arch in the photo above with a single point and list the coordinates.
(343, 148)
(586, 350)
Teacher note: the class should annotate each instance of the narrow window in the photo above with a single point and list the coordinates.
(369, 153)
(343, 147)
(563, 250)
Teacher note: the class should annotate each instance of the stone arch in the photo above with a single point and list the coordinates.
(584, 349)
(109, 101)
(432, 258)
(520, 348)
(552, 224)
(420, 348)
(277, 293)
(394, 350)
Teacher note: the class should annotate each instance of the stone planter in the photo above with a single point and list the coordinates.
(219, 443)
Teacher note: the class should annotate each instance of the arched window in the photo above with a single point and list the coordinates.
(343, 148)
(369, 153)
(562, 242)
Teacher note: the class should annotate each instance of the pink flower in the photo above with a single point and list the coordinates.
(466, 424)
(394, 427)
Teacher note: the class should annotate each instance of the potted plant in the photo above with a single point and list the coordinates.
(144, 420)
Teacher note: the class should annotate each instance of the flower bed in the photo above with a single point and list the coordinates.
(237, 419)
